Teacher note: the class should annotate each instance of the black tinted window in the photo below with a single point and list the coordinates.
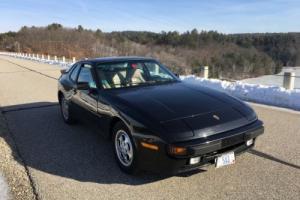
(74, 72)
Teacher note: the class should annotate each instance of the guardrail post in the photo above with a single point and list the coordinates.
(206, 72)
(48, 57)
(55, 58)
(63, 59)
(289, 80)
(43, 57)
(37, 56)
(73, 59)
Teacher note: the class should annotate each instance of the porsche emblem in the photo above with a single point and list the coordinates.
(216, 117)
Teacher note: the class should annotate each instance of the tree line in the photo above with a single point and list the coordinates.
(230, 56)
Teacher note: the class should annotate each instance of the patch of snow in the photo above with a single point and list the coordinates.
(3, 189)
(276, 80)
(270, 95)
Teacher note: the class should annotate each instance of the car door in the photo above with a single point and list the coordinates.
(86, 99)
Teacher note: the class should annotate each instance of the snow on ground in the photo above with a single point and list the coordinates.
(276, 80)
(3, 189)
(270, 95)
(265, 90)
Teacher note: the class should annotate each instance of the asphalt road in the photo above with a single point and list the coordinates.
(73, 162)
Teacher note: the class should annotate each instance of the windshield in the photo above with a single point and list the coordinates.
(132, 73)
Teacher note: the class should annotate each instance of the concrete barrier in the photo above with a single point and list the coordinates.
(206, 72)
(289, 80)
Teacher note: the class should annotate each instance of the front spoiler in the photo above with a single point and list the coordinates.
(223, 140)
(207, 148)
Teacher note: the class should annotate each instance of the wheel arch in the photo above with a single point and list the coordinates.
(112, 124)
(59, 95)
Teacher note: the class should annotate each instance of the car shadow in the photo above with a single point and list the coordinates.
(272, 158)
(45, 143)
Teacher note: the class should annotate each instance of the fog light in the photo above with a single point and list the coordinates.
(194, 160)
(249, 142)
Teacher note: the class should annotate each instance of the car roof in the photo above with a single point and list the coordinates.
(118, 59)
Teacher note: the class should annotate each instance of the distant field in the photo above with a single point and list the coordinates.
(276, 80)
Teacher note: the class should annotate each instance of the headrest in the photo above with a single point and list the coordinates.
(134, 65)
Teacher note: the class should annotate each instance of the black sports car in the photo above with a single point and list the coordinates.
(156, 122)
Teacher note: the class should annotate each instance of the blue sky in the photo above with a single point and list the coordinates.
(226, 16)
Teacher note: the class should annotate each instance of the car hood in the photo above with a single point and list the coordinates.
(185, 110)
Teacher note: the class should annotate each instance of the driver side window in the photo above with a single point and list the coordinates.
(85, 75)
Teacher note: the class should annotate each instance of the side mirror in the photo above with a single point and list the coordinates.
(83, 86)
(63, 71)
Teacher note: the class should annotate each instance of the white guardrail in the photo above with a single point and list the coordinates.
(288, 77)
(53, 60)
(270, 95)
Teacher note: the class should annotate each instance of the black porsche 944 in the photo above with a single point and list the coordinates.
(156, 121)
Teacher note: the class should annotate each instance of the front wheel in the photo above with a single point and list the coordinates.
(66, 111)
(125, 151)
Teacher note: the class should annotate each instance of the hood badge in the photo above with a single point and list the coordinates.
(216, 117)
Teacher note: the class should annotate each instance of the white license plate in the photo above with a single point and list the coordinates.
(225, 159)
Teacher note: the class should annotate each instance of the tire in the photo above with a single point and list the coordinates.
(66, 111)
(124, 149)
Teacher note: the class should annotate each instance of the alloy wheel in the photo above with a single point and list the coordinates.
(124, 148)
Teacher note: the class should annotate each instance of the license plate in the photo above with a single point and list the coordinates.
(225, 159)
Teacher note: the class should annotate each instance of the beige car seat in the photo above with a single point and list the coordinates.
(137, 77)
(117, 78)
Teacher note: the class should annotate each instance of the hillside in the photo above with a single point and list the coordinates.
(233, 56)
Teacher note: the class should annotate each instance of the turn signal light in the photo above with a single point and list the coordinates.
(149, 146)
(180, 151)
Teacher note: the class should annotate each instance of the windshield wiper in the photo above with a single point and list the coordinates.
(152, 82)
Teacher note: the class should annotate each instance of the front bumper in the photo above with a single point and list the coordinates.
(207, 148)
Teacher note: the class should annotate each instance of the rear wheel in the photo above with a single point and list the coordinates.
(125, 151)
(66, 110)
